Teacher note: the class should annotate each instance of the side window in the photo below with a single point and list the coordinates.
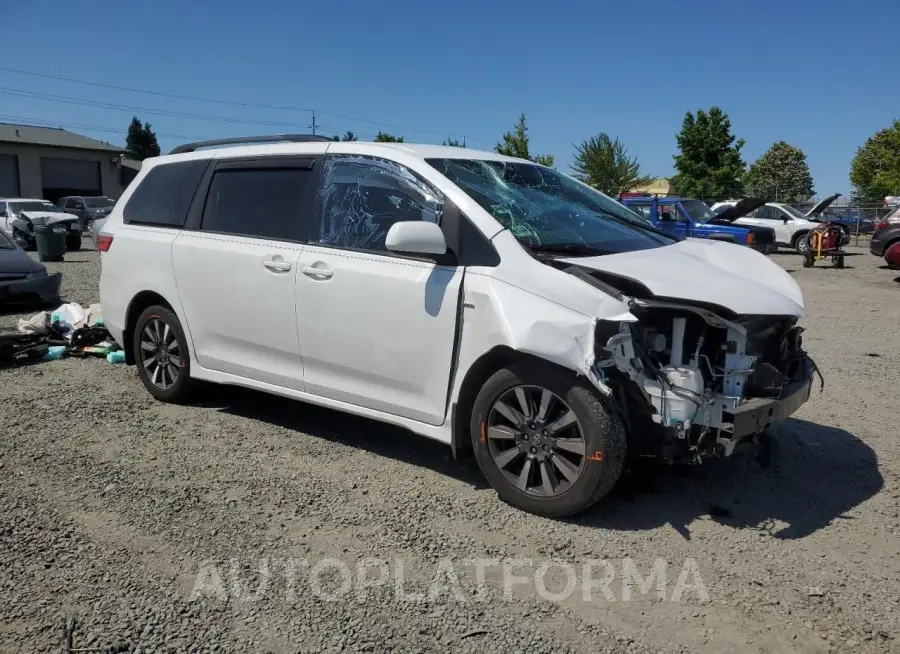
(768, 213)
(643, 210)
(2, 209)
(361, 197)
(257, 202)
(679, 214)
(164, 196)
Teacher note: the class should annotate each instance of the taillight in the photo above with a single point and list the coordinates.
(751, 238)
(104, 241)
(881, 224)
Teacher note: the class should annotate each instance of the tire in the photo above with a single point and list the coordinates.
(808, 261)
(153, 374)
(73, 243)
(839, 261)
(597, 432)
(799, 243)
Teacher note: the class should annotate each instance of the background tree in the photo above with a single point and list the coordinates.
(708, 163)
(349, 136)
(604, 163)
(141, 141)
(384, 137)
(780, 175)
(515, 144)
(454, 142)
(875, 170)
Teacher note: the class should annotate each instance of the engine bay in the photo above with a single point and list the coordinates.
(693, 383)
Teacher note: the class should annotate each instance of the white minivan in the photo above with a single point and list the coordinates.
(487, 302)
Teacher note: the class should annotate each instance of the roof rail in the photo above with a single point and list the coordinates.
(269, 138)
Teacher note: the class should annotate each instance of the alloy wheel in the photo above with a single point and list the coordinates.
(160, 354)
(536, 441)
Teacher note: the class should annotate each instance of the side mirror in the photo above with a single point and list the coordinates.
(785, 219)
(416, 237)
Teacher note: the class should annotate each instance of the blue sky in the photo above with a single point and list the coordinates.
(821, 75)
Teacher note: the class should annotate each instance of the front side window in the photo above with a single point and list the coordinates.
(794, 212)
(546, 210)
(643, 210)
(259, 203)
(361, 197)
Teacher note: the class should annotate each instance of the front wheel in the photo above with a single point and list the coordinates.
(161, 354)
(544, 441)
(801, 244)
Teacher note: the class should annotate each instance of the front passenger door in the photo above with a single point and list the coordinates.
(376, 328)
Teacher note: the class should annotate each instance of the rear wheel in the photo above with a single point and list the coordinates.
(161, 355)
(808, 260)
(73, 242)
(544, 441)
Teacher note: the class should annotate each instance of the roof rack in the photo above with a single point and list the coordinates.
(269, 138)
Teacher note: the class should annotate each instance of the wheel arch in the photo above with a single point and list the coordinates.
(800, 233)
(498, 357)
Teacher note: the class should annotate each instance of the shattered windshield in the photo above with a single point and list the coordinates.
(16, 207)
(545, 209)
(698, 211)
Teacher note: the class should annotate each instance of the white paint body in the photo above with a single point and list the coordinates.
(391, 338)
(786, 225)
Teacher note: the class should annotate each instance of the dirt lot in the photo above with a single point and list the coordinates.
(126, 514)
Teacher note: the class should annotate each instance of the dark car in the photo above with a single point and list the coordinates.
(22, 279)
(886, 243)
(87, 208)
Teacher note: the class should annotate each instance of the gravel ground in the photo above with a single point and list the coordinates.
(125, 514)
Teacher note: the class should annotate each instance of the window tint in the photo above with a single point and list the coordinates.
(361, 197)
(261, 202)
(164, 196)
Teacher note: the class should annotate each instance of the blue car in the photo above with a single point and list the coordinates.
(693, 218)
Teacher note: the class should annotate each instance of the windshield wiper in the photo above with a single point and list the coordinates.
(572, 249)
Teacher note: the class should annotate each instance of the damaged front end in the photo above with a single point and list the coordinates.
(694, 381)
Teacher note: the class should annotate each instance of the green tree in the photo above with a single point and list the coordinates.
(780, 175)
(875, 170)
(141, 141)
(708, 162)
(455, 143)
(604, 163)
(515, 144)
(384, 137)
(349, 136)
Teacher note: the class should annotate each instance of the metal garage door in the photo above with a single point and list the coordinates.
(9, 176)
(71, 174)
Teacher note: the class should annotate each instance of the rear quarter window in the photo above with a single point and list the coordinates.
(164, 196)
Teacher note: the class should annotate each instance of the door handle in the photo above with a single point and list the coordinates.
(277, 266)
(317, 273)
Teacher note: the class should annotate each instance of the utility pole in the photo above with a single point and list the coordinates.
(314, 122)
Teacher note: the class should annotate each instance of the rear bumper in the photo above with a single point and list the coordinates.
(756, 415)
(41, 289)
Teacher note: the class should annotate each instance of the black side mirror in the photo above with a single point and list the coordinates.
(785, 219)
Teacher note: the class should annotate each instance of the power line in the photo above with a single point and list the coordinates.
(229, 102)
(40, 122)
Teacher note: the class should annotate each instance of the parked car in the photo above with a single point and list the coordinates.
(484, 301)
(886, 243)
(87, 208)
(18, 216)
(22, 279)
(693, 218)
(791, 225)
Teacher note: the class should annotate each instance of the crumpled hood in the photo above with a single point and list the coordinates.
(714, 272)
(48, 217)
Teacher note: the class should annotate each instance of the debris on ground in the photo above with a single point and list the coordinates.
(69, 330)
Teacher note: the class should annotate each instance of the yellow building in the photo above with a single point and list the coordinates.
(659, 186)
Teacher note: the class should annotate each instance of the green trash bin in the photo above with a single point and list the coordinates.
(50, 242)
